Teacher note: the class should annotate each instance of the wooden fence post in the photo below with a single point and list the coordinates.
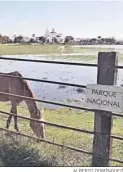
(107, 75)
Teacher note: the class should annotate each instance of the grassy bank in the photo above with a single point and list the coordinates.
(67, 117)
(51, 50)
(13, 49)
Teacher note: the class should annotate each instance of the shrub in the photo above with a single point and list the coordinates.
(18, 154)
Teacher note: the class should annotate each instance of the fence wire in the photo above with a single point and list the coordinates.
(49, 61)
(57, 144)
(62, 126)
(45, 81)
(56, 103)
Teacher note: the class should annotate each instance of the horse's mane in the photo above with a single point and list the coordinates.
(26, 85)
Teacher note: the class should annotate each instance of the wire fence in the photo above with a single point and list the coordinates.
(56, 103)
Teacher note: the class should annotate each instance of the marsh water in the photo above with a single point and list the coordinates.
(62, 73)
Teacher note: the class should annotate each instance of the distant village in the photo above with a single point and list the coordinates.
(52, 37)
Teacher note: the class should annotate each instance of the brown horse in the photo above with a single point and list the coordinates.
(20, 87)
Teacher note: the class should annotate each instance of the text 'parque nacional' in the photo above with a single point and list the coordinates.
(103, 97)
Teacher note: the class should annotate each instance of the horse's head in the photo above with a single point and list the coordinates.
(38, 127)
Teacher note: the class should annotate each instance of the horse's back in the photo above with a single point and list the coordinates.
(10, 85)
(4, 83)
(13, 83)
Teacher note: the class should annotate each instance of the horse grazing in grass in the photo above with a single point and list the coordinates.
(20, 87)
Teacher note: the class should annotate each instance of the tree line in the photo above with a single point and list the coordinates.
(55, 40)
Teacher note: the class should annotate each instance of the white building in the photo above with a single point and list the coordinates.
(52, 36)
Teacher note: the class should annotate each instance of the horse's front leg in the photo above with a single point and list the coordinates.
(8, 121)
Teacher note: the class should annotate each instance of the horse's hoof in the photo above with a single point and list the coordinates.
(17, 130)
(38, 140)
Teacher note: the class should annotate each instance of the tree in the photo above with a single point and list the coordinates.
(18, 39)
(99, 37)
(5, 39)
(32, 40)
(33, 35)
(54, 40)
(42, 39)
(68, 39)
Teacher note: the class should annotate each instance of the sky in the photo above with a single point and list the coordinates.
(76, 18)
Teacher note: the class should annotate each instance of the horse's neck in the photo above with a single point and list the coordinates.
(32, 106)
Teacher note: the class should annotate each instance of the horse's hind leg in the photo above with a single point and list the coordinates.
(14, 111)
(16, 125)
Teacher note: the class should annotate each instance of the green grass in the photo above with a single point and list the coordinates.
(52, 50)
(78, 119)
(16, 49)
